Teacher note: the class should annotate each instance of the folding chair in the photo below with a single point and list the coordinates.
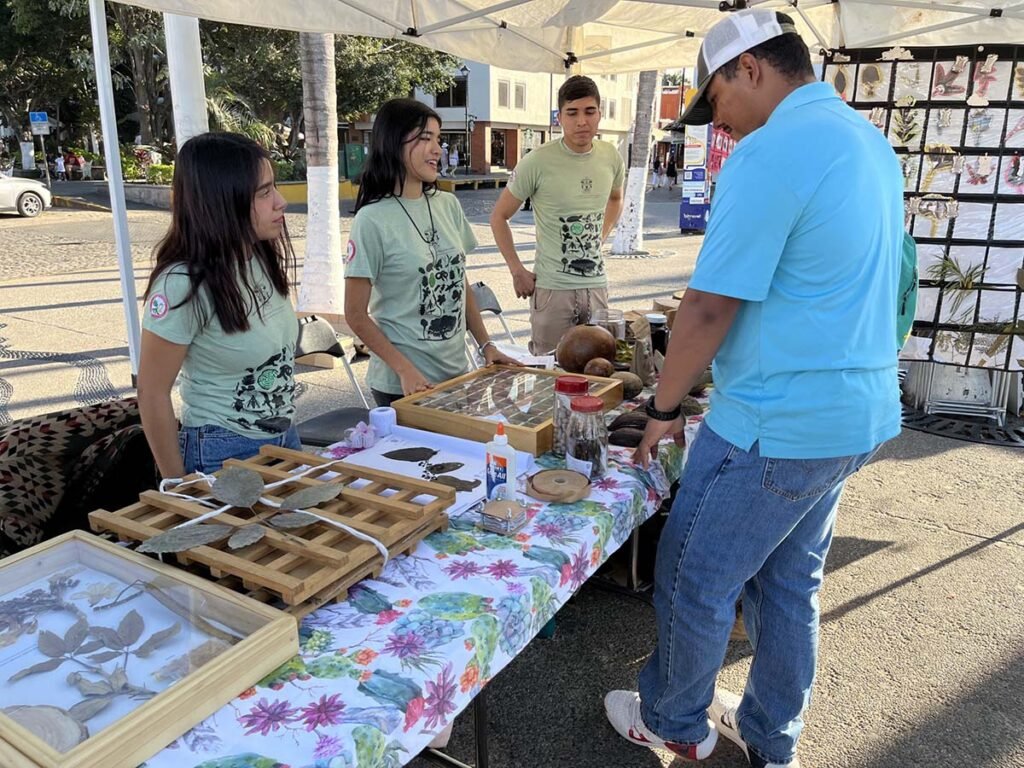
(486, 301)
(318, 335)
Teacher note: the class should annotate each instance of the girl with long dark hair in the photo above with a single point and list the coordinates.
(406, 294)
(218, 311)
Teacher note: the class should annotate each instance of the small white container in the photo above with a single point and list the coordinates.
(501, 467)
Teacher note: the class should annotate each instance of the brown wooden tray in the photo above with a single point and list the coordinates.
(303, 567)
(470, 406)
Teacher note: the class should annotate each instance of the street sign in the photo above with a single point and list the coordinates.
(40, 123)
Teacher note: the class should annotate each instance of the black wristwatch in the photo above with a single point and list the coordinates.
(657, 415)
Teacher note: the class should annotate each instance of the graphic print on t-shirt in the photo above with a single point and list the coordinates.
(442, 283)
(581, 244)
(264, 392)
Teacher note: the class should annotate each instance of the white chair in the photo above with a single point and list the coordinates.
(486, 301)
(87, 170)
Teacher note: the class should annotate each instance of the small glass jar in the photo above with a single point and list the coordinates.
(587, 446)
(612, 321)
(659, 331)
(566, 388)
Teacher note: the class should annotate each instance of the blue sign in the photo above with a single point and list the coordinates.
(38, 117)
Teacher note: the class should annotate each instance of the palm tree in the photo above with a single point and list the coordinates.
(230, 111)
(323, 280)
(629, 236)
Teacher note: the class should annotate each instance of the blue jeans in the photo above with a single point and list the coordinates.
(206, 448)
(745, 524)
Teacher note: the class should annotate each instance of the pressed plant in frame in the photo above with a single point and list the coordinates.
(905, 125)
(958, 283)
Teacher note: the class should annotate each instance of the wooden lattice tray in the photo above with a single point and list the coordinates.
(304, 567)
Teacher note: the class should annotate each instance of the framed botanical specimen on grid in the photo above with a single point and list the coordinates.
(955, 119)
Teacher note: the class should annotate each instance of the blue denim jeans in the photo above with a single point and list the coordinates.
(741, 524)
(206, 448)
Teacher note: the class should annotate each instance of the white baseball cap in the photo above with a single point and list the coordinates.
(735, 34)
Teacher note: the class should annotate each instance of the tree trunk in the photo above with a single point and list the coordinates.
(629, 235)
(323, 279)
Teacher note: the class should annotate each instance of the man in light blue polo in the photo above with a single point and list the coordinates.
(795, 298)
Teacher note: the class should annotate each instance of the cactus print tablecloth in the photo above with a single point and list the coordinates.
(379, 675)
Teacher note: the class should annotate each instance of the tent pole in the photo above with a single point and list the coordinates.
(115, 180)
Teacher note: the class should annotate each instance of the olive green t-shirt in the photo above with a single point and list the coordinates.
(569, 192)
(241, 381)
(415, 260)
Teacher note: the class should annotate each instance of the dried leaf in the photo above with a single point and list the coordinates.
(312, 496)
(107, 636)
(131, 627)
(238, 487)
(44, 666)
(246, 535)
(89, 708)
(292, 520)
(90, 688)
(51, 645)
(118, 679)
(180, 539)
(104, 656)
(156, 640)
(411, 454)
(444, 468)
(76, 635)
(91, 646)
(457, 482)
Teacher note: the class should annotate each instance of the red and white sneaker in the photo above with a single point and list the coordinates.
(623, 710)
(723, 714)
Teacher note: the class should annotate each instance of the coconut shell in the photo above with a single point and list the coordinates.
(599, 367)
(633, 420)
(690, 407)
(582, 344)
(627, 436)
(631, 384)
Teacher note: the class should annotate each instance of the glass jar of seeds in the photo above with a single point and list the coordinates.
(566, 388)
(587, 441)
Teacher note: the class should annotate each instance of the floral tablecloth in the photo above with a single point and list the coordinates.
(379, 675)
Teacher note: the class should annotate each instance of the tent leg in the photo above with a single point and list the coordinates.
(115, 178)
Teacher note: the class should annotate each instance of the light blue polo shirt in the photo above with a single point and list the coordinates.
(806, 227)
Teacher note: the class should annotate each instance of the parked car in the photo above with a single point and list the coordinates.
(26, 196)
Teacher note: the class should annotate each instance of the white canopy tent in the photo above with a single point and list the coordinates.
(590, 36)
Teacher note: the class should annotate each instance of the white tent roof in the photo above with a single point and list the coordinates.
(609, 36)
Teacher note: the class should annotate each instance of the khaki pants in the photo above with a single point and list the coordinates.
(552, 313)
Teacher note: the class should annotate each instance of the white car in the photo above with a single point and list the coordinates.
(26, 196)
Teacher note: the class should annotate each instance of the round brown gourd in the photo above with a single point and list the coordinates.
(582, 344)
(599, 367)
(631, 384)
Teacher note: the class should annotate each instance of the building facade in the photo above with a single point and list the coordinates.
(500, 114)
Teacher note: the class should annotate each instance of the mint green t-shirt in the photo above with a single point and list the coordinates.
(569, 192)
(241, 381)
(418, 286)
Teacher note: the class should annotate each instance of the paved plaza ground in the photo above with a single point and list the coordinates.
(922, 657)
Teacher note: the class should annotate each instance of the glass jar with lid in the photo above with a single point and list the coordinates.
(587, 441)
(566, 388)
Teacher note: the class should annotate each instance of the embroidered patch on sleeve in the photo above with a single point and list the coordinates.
(158, 306)
(350, 252)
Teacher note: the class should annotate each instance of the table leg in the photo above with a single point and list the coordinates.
(438, 757)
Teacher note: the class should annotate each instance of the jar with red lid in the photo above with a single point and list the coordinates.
(566, 388)
(587, 441)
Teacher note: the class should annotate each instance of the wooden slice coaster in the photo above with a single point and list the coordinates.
(561, 485)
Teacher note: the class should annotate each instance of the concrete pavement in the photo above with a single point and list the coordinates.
(922, 663)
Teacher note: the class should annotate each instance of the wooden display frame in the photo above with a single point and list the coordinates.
(304, 567)
(536, 439)
(154, 724)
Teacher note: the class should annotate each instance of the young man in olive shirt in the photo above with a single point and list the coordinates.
(575, 185)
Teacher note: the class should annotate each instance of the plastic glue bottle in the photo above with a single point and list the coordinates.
(501, 467)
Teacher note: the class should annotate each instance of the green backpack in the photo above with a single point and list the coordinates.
(906, 305)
